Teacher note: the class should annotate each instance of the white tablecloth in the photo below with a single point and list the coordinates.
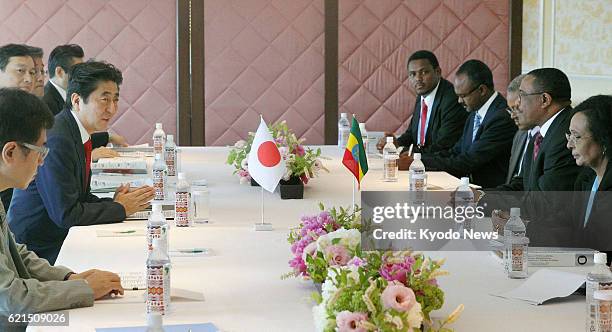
(241, 281)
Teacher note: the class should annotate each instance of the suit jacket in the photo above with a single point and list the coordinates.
(598, 231)
(28, 284)
(514, 181)
(59, 197)
(486, 159)
(445, 122)
(56, 104)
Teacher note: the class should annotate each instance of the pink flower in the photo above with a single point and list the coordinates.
(299, 150)
(397, 296)
(356, 261)
(309, 250)
(304, 179)
(397, 271)
(337, 255)
(350, 321)
(298, 266)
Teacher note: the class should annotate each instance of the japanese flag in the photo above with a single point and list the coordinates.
(266, 166)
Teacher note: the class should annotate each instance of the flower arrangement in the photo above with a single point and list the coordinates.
(394, 291)
(302, 163)
(329, 238)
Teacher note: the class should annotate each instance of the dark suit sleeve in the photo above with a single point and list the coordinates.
(453, 120)
(59, 189)
(99, 139)
(406, 138)
(497, 137)
(515, 184)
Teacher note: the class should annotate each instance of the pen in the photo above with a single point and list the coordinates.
(126, 232)
(410, 150)
(190, 251)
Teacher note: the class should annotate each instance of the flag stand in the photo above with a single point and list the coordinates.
(263, 226)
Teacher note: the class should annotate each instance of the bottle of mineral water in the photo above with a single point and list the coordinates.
(600, 278)
(157, 226)
(158, 279)
(155, 322)
(170, 155)
(417, 174)
(515, 226)
(159, 139)
(344, 130)
(390, 159)
(364, 136)
(159, 178)
(182, 202)
(464, 197)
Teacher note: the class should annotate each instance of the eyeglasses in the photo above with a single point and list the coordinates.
(573, 138)
(522, 94)
(469, 93)
(43, 151)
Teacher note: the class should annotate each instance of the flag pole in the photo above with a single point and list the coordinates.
(354, 181)
(262, 206)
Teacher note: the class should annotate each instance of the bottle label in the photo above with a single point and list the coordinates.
(390, 169)
(158, 144)
(417, 181)
(158, 185)
(154, 232)
(158, 288)
(518, 253)
(170, 158)
(181, 209)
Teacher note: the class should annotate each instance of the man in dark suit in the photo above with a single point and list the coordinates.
(59, 197)
(16, 71)
(438, 118)
(61, 59)
(483, 151)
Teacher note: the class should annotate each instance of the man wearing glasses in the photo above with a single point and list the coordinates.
(59, 197)
(28, 284)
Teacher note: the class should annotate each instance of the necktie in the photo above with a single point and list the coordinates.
(537, 140)
(88, 148)
(423, 121)
(477, 120)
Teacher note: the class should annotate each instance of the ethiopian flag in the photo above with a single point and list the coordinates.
(355, 158)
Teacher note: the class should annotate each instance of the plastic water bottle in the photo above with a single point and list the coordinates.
(600, 278)
(417, 175)
(158, 279)
(159, 178)
(157, 226)
(159, 139)
(154, 322)
(344, 130)
(464, 197)
(603, 299)
(364, 136)
(390, 159)
(182, 202)
(515, 226)
(170, 155)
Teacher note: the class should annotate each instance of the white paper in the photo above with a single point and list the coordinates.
(544, 285)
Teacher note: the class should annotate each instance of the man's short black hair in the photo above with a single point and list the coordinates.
(35, 52)
(427, 55)
(84, 78)
(62, 55)
(477, 72)
(552, 81)
(22, 116)
(598, 111)
(10, 50)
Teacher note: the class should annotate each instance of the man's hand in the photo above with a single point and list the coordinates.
(381, 142)
(82, 275)
(118, 140)
(103, 152)
(134, 200)
(103, 283)
(499, 218)
(404, 162)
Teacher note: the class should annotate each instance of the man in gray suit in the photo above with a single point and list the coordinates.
(28, 284)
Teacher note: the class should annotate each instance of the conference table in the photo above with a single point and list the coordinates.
(241, 278)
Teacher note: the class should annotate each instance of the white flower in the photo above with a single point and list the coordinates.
(245, 163)
(350, 239)
(320, 317)
(244, 180)
(415, 316)
(287, 174)
(283, 152)
(240, 144)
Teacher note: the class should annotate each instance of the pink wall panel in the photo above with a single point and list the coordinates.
(263, 57)
(376, 38)
(137, 36)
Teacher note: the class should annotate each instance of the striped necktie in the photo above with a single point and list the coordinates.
(477, 121)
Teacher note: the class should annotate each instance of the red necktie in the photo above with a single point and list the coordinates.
(536, 144)
(87, 146)
(423, 120)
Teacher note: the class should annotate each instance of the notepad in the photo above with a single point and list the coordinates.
(204, 327)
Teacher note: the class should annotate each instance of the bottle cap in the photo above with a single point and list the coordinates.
(417, 156)
(389, 139)
(156, 207)
(158, 125)
(600, 258)
(605, 295)
(465, 181)
(515, 212)
(170, 138)
(154, 319)
(181, 176)
(362, 127)
(343, 115)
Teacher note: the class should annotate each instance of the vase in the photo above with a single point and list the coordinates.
(292, 189)
(254, 183)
